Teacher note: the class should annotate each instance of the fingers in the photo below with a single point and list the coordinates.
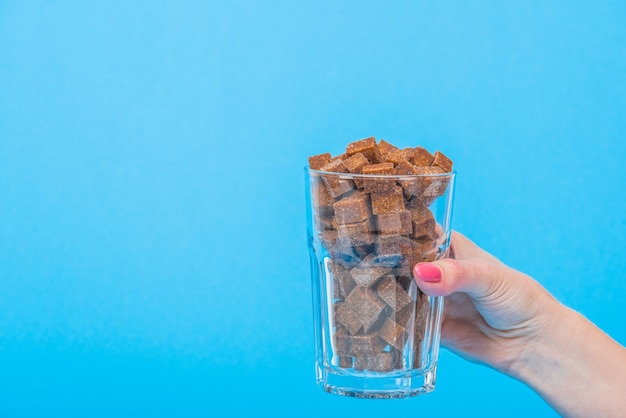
(472, 271)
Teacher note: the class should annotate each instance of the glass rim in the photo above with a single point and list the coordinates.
(378, 176)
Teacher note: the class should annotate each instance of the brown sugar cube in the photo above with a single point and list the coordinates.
(417, 186)
(419, 328)
(392, 293)
(421, 157)
(404, 316)
(367, 345)
(320, 193)
(347, 317)
(391, 201)
(341, 340)
(429, 170)
(345, 362)
(324, 214)
(394, 334)
(337, 185)
(423, 251)
(437, 183)
(366, 304)
(353, 208)
(391, 260)
(334, 162)
(398, 156)
(316, 162)
(405, 222)
(424, 229)
(398, 358)
(363, 251)
(321, 197)
(367, 147)
(412, 185)
(422, 219)
(441, 160)
(375, 326)
(404, 168)
(421, 315)
(325, 223)
(394, 245)
(385, 147)
(328, 238)
(382, 362)
(395, 223)
(417, 255)
(324, 218)
(420, 181)
(355, 164)
(417, 208)
(404, 279)
(431, 247)
(381, 184)
(374, 259)
(360, 363)
(424, 225)
(430, 257)
(404, 272)
(405, 268)
(418, 363)
(356, 234)
(345, 255)
(336, 290)
(366, 275)
(417, 355)
(350, 256)
(343, 281)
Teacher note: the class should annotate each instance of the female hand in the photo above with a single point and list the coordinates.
(491, 311)
(501, 317)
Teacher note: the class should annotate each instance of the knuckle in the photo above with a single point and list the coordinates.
(455, 269)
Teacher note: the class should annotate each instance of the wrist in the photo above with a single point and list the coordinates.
(554, 331)
(574, 366)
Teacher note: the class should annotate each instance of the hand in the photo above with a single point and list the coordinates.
(503, 318)
(491, 311)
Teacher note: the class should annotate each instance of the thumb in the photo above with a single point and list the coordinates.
(478, 278)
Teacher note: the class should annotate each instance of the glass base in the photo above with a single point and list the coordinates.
(376, 385)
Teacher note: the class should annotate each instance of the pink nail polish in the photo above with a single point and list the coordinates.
(428, 272)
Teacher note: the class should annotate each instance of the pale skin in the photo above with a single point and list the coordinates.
(502, 318)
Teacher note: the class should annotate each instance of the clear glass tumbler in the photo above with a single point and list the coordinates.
(376, 334)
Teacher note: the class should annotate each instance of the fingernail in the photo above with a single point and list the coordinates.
(428, 272)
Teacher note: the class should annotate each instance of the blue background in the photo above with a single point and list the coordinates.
(153, 256)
